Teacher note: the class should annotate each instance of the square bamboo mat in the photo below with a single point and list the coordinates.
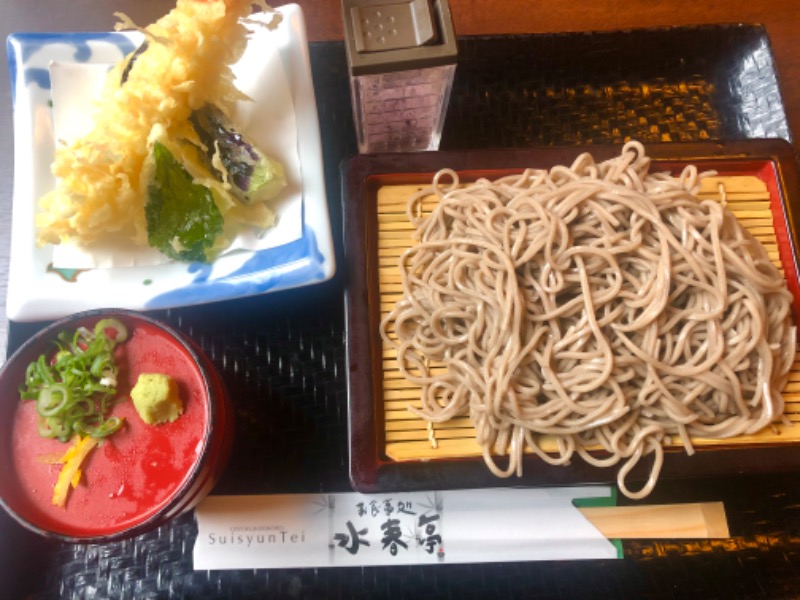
(409, 437)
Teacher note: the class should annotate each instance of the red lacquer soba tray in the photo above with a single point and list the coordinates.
(393, 450)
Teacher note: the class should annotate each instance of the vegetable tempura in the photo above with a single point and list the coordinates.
(112, 182)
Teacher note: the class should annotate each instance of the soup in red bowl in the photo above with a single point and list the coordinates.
(133, 479)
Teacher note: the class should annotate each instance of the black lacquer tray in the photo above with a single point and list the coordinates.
(283, 358)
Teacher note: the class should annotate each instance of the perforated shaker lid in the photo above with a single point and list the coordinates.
(397, 35)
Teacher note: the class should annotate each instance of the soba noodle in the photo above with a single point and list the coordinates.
(599, 306)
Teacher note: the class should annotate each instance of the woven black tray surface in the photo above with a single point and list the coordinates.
(283, 357)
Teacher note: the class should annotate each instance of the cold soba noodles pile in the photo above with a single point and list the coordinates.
(599, 306)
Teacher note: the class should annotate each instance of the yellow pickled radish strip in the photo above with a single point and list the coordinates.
(70, 471)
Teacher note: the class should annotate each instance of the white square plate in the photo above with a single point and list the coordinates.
(37, 291)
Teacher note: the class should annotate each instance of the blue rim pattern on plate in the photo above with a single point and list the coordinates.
(30, 43)
(35, 290)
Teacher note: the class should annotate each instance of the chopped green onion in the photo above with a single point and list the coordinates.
(75, 387)
(113, 329)
(53, 399)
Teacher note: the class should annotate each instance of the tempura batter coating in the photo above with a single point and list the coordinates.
(101, 187)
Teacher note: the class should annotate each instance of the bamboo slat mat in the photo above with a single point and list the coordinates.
(409, 437)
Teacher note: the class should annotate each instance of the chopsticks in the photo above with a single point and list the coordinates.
(701, 520)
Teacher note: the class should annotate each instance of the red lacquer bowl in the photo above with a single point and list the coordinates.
(142, 475)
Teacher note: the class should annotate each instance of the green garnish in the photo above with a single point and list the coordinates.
(75, 387)
(182, 218)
